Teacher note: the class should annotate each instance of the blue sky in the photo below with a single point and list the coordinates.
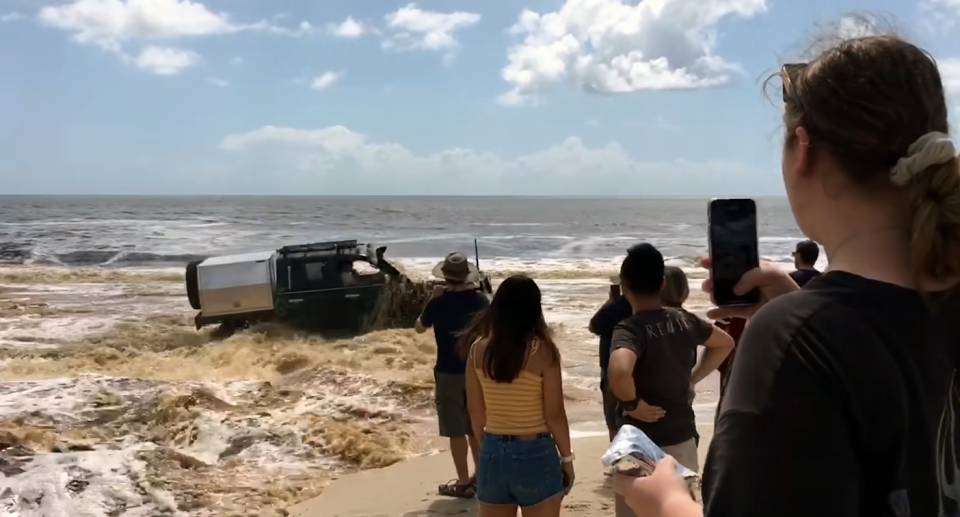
(552, 97)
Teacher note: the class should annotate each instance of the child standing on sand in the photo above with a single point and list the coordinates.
(515, 399)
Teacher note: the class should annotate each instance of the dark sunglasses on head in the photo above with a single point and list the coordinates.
(788, 72)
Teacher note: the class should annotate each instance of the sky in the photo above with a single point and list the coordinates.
(438, 97)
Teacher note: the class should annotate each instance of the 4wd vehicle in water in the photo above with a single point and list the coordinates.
(337, 285)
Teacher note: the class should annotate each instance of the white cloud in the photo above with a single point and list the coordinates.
(236, 60)
(109, 22)
(852, 27)
(166, 60)
(607, 46)
(326, 80)
(413, 28)
(336, 160)
(940, 14)
(216, 81)
(950, 75)
(12, 17)
(349, 28)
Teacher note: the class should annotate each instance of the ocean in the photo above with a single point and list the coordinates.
(113, 404)
(168, 231)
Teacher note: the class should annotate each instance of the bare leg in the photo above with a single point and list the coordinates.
(498, 510)
(458, 449)
(475, 450)
(548, 508)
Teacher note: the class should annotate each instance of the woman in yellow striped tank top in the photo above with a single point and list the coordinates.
(515, 400)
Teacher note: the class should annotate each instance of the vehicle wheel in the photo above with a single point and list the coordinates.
(193, 285)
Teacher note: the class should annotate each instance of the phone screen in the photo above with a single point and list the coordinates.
(733, 248)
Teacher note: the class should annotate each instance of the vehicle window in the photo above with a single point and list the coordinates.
(314, 270)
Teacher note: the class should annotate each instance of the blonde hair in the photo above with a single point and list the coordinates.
(676, 288)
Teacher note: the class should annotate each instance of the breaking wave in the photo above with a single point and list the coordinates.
(152, 416)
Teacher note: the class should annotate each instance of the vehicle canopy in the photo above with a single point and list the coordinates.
(323, 265)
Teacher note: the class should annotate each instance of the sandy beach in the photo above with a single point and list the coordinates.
(409, 488)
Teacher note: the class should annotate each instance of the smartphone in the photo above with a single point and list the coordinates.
(733, 246)
(614, 292)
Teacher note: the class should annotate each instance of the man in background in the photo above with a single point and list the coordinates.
(448, 313)
(615, 310)
(805, 259)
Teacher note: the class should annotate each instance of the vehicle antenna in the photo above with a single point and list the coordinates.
(476, 252)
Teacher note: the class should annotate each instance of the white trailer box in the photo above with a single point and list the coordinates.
(236, 284)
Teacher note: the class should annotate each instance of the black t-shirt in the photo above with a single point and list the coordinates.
(665, 342)
(602, 323)
(833, 405)
(802, 276)
(450, 314)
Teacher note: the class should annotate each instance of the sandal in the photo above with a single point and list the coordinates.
(452, 489)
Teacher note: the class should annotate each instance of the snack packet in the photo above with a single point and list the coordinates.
(632, 453)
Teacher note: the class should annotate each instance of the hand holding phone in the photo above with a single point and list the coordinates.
(734, 250)
(768, 279)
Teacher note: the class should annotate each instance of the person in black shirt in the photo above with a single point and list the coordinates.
(654, 353)
(804, 259)
(449, 312)
(615, 310)
(842, 400)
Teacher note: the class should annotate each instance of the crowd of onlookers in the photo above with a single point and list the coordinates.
(841, 400)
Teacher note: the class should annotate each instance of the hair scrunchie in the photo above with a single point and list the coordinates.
(930, 149)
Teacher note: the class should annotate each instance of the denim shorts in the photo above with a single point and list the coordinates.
(520, 472)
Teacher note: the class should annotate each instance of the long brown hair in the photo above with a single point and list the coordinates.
(866, 101)
(511, 324)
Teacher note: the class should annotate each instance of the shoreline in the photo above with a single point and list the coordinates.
(409, 488)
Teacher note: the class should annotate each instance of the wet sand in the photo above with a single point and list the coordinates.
(409, 489)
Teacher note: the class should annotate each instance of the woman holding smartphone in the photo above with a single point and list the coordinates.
(515, 400)
(842, 400)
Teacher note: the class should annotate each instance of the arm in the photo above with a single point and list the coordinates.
(476, 406)
(425, 321)
(419, 327)
(717, 346)
(596, 322)
(626, 349)
(553, 407)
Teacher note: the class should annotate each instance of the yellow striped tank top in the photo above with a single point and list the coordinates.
(516, 407)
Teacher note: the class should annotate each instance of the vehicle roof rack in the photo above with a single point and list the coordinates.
(319, 246)
(330, 249)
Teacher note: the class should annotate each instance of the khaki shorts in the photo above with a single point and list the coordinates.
(451, 401)
(685, 453)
